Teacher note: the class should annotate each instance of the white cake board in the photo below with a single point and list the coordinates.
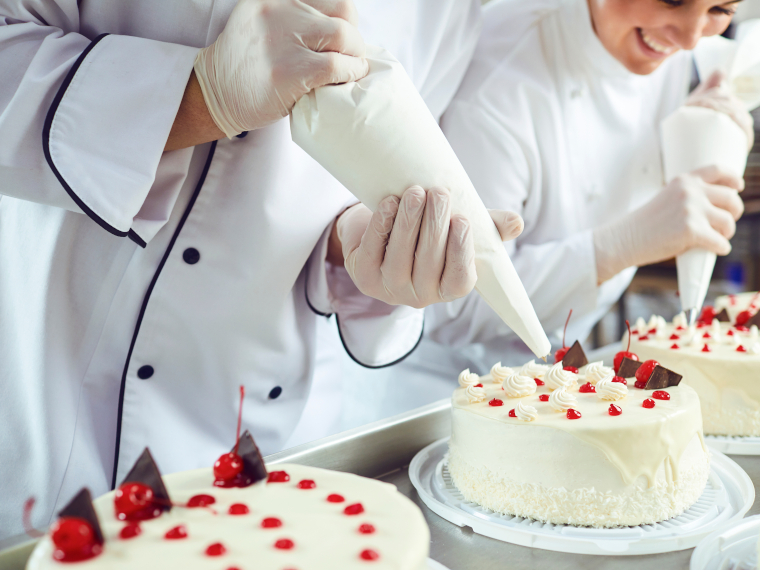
(433, 565)
(732, 547)
(734, 444)
(728, 496)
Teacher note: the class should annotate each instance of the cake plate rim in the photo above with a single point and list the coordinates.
(570, 539)
(727, 541)
(734, 444)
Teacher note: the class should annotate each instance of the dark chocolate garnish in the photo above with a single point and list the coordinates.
(253, 462)
(754, 320)
(628, 368)
(723, 316)
(575, 356)
(81, 507)
(146, 471)
(662, 378)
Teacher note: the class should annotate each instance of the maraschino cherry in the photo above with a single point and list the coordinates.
(743, 317)
(708, 314)
(644, 372)
(561, 352)
(228, 469)
(135, 502)
(625, 353)
(74, 540)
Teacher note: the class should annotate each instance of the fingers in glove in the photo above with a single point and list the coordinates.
(459, 275)
(334, 34)
(712, 82)
(726, 199)
(509, 224)
(722, 222)
(343, 9)
(365, 262)
(402, 244)
(430, 256)
(331, 68)
(715, 175)
(713, 241)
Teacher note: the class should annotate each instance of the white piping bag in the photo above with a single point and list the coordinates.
(377, 137)
(695, 137)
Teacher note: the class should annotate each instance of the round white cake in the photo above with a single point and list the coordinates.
(316, 519)
(536, 442)
(720, 360)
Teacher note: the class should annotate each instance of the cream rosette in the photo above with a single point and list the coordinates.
(559, 378)
(499, 373)
(606, 389)
(517, 386)
(475, 394)
(680, 320)
(467, 378)
(596, 371)
(561, 400)
(533, 369)
(525, 413)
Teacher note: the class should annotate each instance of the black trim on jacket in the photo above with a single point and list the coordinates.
(360, 363)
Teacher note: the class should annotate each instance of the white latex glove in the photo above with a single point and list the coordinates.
(412, 251)
(272, 52)
(713, 94)
(699, 209)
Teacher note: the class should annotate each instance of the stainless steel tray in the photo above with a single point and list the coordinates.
(384, 449)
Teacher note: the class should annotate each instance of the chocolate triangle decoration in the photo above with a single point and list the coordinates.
(146, 471)
(575, 356)
(754, 320)
(253, 463)
(662, 378)
(628, 368)
(81, 507)
(723, 316)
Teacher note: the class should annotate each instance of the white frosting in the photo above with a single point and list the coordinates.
(608, 390)
(753, 333)
(525, 413)
(517, 386)
(561, 400)
(680, 320)
(534, 369)
(325, 538)
(475, 394)
(499, 372)
(557, 377)
(595, 371)
(641, 326)
(467, 378)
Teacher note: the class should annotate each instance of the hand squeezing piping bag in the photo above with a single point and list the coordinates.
(377, 137)
(695, 137)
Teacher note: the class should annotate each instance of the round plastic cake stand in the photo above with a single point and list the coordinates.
(729, 494)
(433, 565)
(734, 445)
(732, 547)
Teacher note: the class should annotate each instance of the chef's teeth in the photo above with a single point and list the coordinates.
(659, 48)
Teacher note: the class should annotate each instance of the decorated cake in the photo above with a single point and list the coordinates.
(572, 443)
(237, 516)
(718, 356)
(740, 308)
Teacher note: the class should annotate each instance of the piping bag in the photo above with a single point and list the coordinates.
(695, 137)
(377, 137)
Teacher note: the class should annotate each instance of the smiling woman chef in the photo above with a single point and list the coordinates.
(139, 288)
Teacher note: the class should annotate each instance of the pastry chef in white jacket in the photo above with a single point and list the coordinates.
(558, 119)
(139, 288)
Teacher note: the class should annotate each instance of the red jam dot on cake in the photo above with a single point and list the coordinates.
(239, 509)
(512, 413)
(216, 549)
(740, 348)
(478, 385)
(614, 410)
(200, 501)
(587, 388)
(495, 402)
(572, 369)
(131, 530)
(573, 414)
(306, 484)
(645, 337)
(544, 397)
(369, 554)
(674, 346)
(648, 403)
(335, 498)
(538, 382)
(355, 509)
(660, 395)
(74, 540)
(284, 544)
(706, 335)
(729, 332)
(619, 379)
(674, 336)
(706, 348)
(176, 533)
(134, 501)
(680, 328)
(278, 477)
(271, 522)
(366, 528)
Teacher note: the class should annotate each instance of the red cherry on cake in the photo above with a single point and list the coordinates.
(645, 371)
(228, 466)
(544, 397)
(740, 348)
(355, 509)
(200, 501)
(743, 317)
(335, 498)
(366, 528)
(708, 314)
(648, 403)
(495, 402)
(620, 380)
(369, 554)
(216, 549)
(74, 540)
(624, 353)
(134, 500)
(573, 414)
(572, 369)
(271, 522)
(278, 477)
(239, 509)
(538, 382)
(176, 533)
(284, 544)
(130, 530)
(660, 395)
(586, 388)
(306, 484)
(614, 410)
(512, 413)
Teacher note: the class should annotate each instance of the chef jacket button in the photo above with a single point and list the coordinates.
(275, 392)
(145, 372)
(242, 135)
(191, 255)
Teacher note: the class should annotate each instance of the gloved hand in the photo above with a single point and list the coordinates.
(412, 251)
(699, 209)
(712, 94)
(272, 52)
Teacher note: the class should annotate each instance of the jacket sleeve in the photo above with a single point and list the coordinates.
(558, 275)
(84, 120)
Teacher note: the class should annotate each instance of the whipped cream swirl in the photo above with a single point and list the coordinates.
(680, 320)
(715, 329)
(467, 378)
(753, 333)
(517, 386)
(596, 371)
(533, 369)
(525, 413)
(559, 378)
(641, 326)
(561, 400)
(475, 394)
(606, 389)
(499, 373)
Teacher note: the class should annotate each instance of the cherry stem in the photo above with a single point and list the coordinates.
(240, 418)
(27, 519)
(629, 335)
(564, 332)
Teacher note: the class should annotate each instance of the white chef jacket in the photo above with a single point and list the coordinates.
(548, 124)
(139, 288)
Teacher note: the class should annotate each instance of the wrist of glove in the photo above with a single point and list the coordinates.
(696, 210)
